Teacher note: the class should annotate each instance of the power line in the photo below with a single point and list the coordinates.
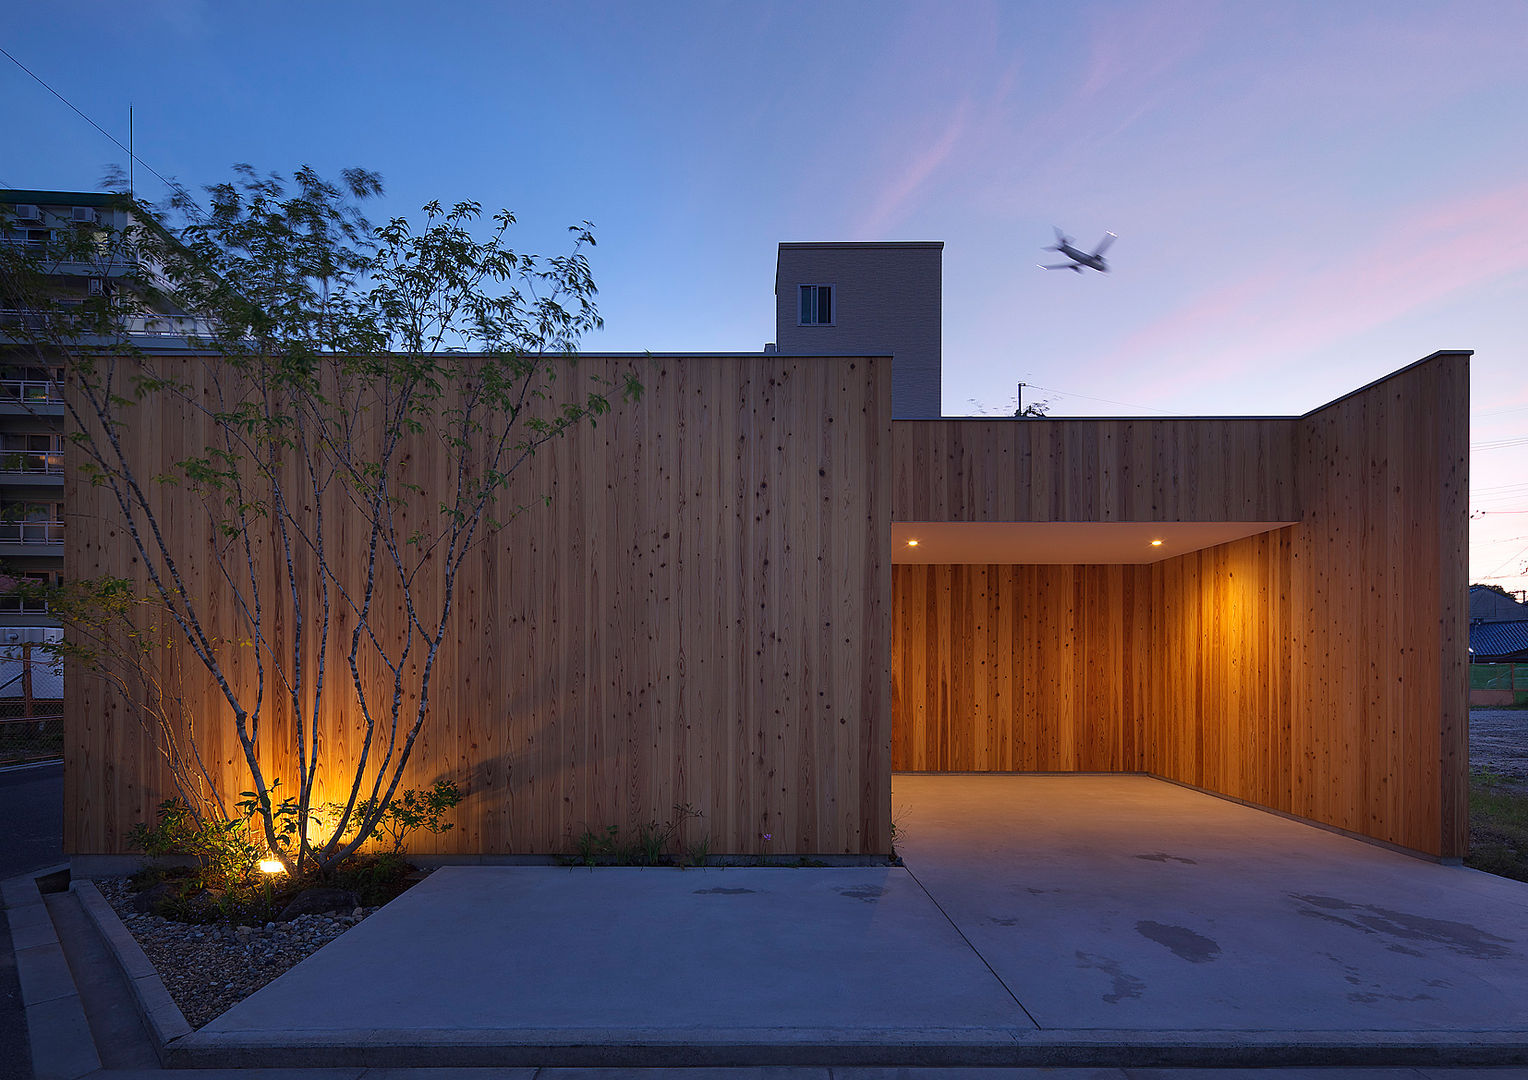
(171, 184)
(1497, 444)
(1510, 561)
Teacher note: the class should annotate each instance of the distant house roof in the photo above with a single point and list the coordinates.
(1489, 604)
(1507, 640)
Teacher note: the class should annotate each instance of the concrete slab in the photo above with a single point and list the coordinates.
(505, 949)
(1123, 902)
(1142, 924)
(61, 1042)
(44, 973)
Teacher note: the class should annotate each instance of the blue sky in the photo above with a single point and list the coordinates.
(1307, 195)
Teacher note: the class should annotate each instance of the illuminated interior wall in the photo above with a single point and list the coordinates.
(1319, 669)
(1020, 668)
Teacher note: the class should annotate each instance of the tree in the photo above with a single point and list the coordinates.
(329, 357)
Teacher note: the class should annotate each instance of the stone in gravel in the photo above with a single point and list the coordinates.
(150, 899)
(319, 899)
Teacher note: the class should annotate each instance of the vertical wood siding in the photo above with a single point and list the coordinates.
(1318, 669)
(701, 616)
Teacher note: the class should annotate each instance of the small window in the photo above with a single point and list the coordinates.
(816, 305)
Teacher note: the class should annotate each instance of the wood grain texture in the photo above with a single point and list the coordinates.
(705, 615)
(1020, 668)
(1217, 469)
(1318, 669)
(701, 616)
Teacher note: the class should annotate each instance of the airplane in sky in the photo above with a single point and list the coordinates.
(1079, 257)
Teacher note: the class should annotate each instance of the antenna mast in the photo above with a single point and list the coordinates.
(129, 150)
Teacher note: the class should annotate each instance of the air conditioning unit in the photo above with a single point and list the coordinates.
(86, 215)
(25, 212)
(97, 286)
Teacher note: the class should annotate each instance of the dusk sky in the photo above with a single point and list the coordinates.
(1307, 195)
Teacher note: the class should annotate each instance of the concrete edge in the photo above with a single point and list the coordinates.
(156, 1008)
(586, 1047)
(57, 1032)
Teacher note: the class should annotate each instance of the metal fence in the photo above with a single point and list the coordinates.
(1499, 676)
(35, 738)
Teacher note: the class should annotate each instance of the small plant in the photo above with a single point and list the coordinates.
(648, 846)
(221, 850)
(223, 884)
(698, 853)
(416, 810)
(396, 820)
(898, 831)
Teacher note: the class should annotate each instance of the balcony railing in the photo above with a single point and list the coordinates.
(144, 324)
(13, 603)
(31, 532)
(50, 462)
(31, 391)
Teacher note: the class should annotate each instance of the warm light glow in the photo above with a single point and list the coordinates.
(1156, 543)
(912, 543)
(271, 866)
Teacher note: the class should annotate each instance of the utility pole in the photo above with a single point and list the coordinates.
(1020, 410)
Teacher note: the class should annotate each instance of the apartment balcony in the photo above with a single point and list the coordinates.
(71, 259)
(31, 397)
(31, 539)
(31, 469)
(145, 329)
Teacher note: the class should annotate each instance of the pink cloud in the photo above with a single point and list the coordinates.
(1289, 306)
(892, 203)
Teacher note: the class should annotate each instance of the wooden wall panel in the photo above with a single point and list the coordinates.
(1216, 469)
(1380, 584)
(1220, 685)
(1019, 668)
(700, 616)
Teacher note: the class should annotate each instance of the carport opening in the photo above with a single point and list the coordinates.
(1120, 647)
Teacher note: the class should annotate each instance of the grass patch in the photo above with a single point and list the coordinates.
(1498, 826)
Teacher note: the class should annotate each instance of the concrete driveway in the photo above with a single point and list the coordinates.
(1085, 919)
(1127, 902)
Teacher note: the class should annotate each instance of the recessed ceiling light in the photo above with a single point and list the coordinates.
(1156, 543)
(912, 543)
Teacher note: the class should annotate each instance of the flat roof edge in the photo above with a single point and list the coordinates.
(797, 245)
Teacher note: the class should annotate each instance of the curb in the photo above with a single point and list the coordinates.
(161, 1017)
(62, 1045)
(905, 1048)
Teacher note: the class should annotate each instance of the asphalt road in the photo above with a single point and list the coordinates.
(31, 818)
(31, 837)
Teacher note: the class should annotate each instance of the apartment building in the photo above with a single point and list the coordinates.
(75, 237)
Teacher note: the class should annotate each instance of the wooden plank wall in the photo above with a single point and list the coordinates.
(701, 616)
(1020, 668)
(1221, 686)
(1380, 739)
(1318, 669)
(1214, 469)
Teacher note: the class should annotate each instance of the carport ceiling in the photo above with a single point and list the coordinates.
(1063, 542)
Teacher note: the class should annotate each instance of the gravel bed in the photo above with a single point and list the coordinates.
(1499, 743)
(210, 968)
